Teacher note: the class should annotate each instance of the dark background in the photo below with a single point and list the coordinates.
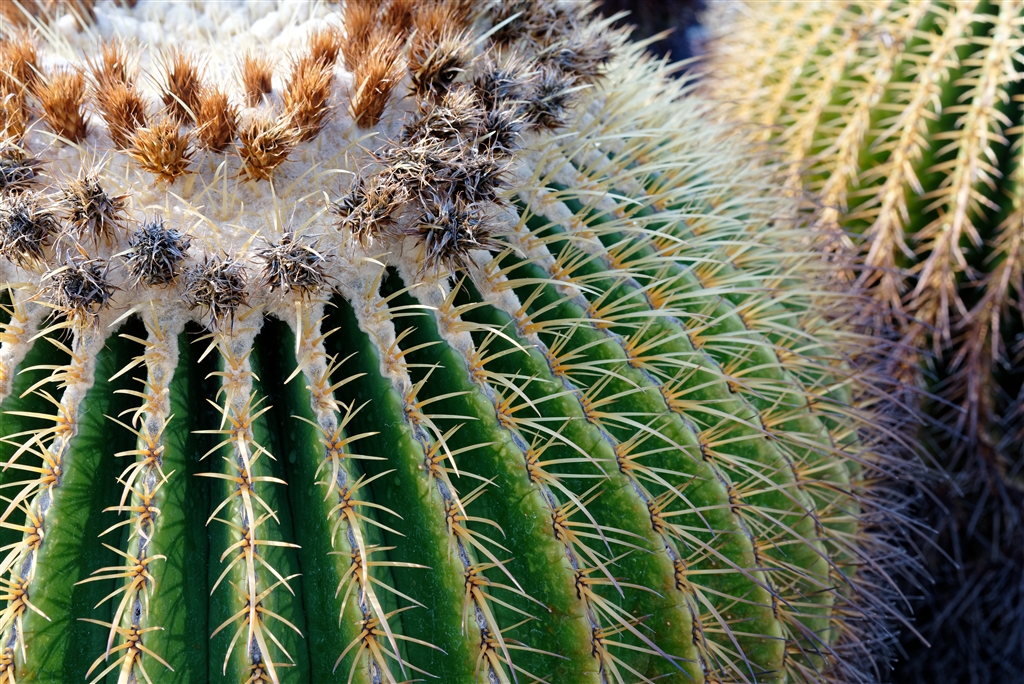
(655, 16)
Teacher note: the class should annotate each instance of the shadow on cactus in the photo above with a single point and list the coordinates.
(381, 344)
(904, 121)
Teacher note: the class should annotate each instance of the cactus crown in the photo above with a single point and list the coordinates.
(433, 342)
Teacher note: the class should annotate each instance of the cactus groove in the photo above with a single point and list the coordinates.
(451, 342)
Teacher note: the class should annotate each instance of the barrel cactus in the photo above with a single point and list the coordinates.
(382, 343)
(904, 121)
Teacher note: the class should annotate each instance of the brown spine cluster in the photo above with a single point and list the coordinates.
(90, 210)
(256, 74)
(375, 76)
(293, 264)
(120, 103)
(307, 95)
(184, 85)
(162, 149)
(217, 286)
(62, 97)
(80, 288)
(264, 144)
(219, 119)
(18, 77)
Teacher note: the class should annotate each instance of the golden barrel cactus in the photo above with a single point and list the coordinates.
(904, 123)
(384, 342)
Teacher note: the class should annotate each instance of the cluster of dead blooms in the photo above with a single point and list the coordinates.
(450, 163)
(54, 233)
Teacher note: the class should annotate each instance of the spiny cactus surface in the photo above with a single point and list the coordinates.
(904, 120)
(381, 343)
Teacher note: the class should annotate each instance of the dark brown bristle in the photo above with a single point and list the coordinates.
(26, 226)
(124, 111)
(449, 232)
(457, 114)
(62, 96)
(549, 100)
(307, 95)
(293, 265)
(497, 83)
(90, 211)
(217, 120)
(256, 73)
(18, 171)
(360, 19)
(369, 210)
(217, 286)
(501, 129)
(325, 44)
(436, 60)
(375, 78)
(162, 150)
(156, 253)
(264, 144)
(398, 14)
(79, 287)
(580, 56)
(183, 86)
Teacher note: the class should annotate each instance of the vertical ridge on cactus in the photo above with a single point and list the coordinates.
(470, 354)
(904, 120)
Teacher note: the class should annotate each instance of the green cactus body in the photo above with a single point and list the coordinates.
(903, 120)
(504, 367)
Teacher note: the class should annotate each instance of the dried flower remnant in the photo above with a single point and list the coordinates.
(218, 286)
(162, 149)
(90, 210)
(124, 111)
(359, 20)
(375, 77)
(307, 94)
(18, 171)
(115, 65)
(217, 120)
(581, 56)
(549, 100)
(19, 66)
(156, 253)
(264, 143)
(79, 288)
(436, 60)
(369, 210)
(62, 96)
(449, 232)
(26, 227)
(456, 115)
(498, 83)
(325, 43)
(183, 86)
(256, 73)
(501, 130)
(293, 264)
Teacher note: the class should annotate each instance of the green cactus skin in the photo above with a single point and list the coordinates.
(605, 426)
(903, 120)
